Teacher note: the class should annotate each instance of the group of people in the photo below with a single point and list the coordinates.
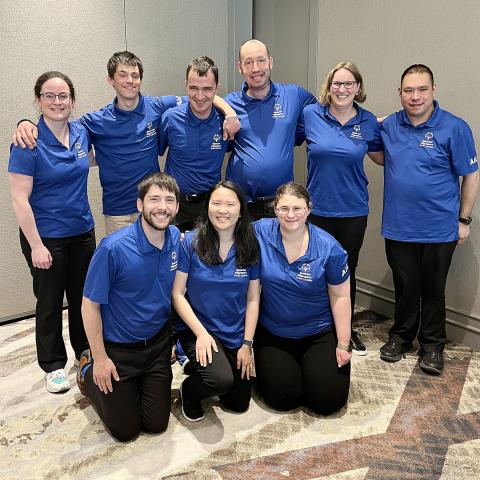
(292, 270)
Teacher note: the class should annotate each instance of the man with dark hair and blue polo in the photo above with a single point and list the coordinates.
(124, 134)
(193, 134)
(262, 157)
(126, 307)
(426, 213)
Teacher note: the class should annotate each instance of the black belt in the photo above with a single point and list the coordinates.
(142, 343)
(193, 197)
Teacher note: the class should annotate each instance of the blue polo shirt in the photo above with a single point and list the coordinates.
(195, 148)
(126, 148)
(217, 293)
(294, 301)
(262, 157)
(132, 281)
(59, 195)
(421, 197)
(336, 179)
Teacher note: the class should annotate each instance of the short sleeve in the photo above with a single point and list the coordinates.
(185, 256)
(336, 269)
(99, 276)
(375, 144)
(462, 150)
(22, 161)
(300, 130)
(255, 271)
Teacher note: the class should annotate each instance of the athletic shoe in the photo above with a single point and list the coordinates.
(192, 411)
(358, 346)
(57, 381)
(432, 362)
(393, 351)
(84, 363)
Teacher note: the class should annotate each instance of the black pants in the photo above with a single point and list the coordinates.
(221, 377)
(188, 214)
(419, 275)
(349, 233)
(141, 399)
(292, 372)
(71, 258)
(261, 208)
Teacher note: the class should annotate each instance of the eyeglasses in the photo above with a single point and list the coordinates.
(347, 85)
(50, 97)
(297, 211)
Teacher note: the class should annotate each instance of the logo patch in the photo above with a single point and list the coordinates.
(151, 132)
(174, 264)
(473, 161)
(304, 273)
(216, 145)
(427, 141)
(277, 111)
(356, 133)
(240, 272)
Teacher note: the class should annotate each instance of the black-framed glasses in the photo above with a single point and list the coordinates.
(50, 96)
(347, 85)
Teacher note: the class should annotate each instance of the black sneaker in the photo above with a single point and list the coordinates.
(192, 411)
(393, 351)
(84, 363)
(357, 345)
(432, 362)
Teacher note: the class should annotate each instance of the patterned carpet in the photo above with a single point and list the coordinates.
(399, 424)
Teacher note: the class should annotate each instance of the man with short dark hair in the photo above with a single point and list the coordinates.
(262, 157)
(425, 212)
(193, 134)
(126, 308)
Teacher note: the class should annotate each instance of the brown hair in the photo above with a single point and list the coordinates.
(324, 95)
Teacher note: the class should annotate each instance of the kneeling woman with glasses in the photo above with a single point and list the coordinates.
(302, 341)
(216, 293)
(49, 192)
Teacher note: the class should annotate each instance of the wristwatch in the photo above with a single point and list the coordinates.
(345, 348)
(248, 343)
(465, 221)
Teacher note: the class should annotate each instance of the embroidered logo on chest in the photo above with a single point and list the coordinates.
(151, 132)
(216, 145)
(304, 273)
(240, 272)
(174, 264)
(277, 111)
(427, 141)
(80, 152)
(356, 133)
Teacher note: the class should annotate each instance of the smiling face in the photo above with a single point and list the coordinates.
(417, 94)
(55, 110)
(126, 81)
(292, 212)
(341, 96)
(201, 91)
(158, 208)
(255, 65)
(224, 209)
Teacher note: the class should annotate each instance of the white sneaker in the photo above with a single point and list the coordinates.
(57, 381)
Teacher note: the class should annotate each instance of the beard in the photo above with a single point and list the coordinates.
(147, 216)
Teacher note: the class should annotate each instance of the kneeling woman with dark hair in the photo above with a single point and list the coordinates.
(302, 352)
(216, 293)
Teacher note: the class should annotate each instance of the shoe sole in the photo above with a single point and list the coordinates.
(59, 389)
(199, 419)
(391, 359)
(430, 368)
(362, 353)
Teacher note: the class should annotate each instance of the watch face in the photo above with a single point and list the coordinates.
(466, 221)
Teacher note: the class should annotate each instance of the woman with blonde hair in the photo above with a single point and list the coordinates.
(339, 133)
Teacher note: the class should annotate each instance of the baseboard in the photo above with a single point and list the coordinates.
(462, 327)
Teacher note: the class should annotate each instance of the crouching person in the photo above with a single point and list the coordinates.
(126, 306)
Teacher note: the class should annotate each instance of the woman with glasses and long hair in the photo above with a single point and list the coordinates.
(49, 193)
(216, 293)
(339, 133)
(302, 342)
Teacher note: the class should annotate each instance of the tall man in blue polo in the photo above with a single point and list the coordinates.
(124, 134)
(126, 307)
(193, 134)
(262, 157)
(426, 213)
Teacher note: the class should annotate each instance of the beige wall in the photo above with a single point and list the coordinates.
(77, 38)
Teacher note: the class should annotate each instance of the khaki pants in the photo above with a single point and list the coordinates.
(114, 223)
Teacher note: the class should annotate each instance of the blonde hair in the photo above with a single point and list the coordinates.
(324, 95)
